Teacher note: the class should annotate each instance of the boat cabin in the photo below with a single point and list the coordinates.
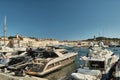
(95, 64)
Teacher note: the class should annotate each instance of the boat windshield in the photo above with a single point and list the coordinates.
(49, 54)
(96, 65)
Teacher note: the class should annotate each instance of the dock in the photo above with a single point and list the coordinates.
(10, 76)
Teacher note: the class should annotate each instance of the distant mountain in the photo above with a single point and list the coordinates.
(103, 38)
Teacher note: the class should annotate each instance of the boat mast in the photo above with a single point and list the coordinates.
(4, 30)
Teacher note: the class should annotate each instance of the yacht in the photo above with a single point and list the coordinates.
(42, 62)
(7, 54)
(97, 64)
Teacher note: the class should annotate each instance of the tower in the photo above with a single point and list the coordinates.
(5, 30)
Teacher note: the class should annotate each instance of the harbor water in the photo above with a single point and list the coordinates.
(64, 73)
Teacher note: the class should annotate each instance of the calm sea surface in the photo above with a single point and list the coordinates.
(65, 72)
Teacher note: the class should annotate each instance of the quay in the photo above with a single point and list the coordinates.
(10, 76)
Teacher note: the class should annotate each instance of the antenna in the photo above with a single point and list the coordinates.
(4, 30)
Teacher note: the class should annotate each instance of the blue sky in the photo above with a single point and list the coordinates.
(61, 19)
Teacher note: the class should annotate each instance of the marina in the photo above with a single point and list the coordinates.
(59, 40)
(65, 72)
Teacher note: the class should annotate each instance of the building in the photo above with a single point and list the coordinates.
(20, 41)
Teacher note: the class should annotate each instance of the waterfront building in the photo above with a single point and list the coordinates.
(2, 41)
(84, 43)
(20, 41)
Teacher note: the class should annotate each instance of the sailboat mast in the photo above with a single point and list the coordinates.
(4, 30)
